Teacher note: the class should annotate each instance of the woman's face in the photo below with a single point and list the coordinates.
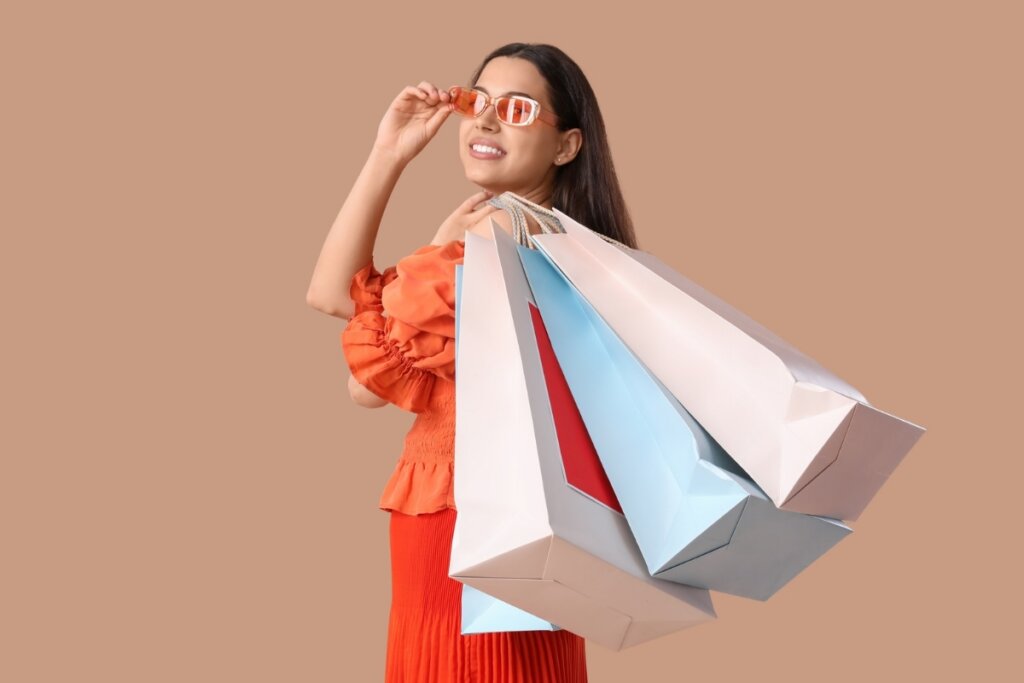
(528, 164)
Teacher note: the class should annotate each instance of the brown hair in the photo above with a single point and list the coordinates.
(586, 189)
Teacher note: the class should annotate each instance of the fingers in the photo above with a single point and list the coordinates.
(438, 118)
(483, 210)
(429, 95)
(475, 199)
(441, 95)
(413, 91)
(432, 93)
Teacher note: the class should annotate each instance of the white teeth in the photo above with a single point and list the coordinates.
(487, 150)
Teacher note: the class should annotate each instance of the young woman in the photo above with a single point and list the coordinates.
(529, 124)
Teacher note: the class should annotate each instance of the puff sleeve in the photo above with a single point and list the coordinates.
(401, 339)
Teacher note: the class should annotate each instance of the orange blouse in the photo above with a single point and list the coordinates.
(400, 344)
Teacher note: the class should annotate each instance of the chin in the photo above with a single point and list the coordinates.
(486, 181)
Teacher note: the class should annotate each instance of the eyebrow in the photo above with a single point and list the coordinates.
(510, 92)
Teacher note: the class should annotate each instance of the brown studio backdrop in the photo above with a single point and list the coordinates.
(189, 494)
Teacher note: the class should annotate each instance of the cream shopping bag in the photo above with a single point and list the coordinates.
(810, 440)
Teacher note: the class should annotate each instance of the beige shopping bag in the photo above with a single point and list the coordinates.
(809, 439)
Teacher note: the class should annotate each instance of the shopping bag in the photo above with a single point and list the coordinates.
(538, 526)
(696, 516)
(480, 612)
(483, 613)
(811, 441)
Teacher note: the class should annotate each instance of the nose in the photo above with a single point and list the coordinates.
(488, 119)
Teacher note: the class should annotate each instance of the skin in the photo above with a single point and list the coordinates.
(534, 152)
(412, 120)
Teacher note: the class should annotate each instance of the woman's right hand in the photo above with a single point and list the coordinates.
(413, 118)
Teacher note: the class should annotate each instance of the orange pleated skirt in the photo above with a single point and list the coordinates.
(425, 644)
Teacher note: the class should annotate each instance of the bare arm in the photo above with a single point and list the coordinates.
(363, 396)
(349, 244)
(410, 123)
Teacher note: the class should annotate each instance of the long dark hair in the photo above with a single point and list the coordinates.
(586, 189)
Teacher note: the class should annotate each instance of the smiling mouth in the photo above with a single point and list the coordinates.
(485, 152)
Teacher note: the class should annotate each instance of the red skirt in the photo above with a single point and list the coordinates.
(425, 644)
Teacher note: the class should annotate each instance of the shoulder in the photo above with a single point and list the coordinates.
(424, 285)
(431, 261)
(483, 226)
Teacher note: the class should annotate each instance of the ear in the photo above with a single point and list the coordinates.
(569, 147)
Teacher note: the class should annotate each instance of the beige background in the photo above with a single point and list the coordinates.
(190, 495)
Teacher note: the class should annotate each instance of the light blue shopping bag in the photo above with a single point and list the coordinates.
(696, 516)
(482, 613)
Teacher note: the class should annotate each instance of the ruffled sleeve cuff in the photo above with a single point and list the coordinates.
(367, 287)
(401, 339)
(377, 362)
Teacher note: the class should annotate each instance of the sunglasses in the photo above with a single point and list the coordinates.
(512, 110)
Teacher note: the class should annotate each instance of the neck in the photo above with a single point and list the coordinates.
(541, 196)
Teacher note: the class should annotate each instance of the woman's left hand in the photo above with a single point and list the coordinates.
(468, 214)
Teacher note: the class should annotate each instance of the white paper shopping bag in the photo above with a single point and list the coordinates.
(538, 526)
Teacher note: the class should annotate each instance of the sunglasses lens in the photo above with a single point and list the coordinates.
(466, 102)
(515, 111)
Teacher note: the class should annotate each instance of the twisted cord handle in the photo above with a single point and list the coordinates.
(547, 220)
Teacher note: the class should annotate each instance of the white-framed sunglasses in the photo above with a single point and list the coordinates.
(512, 110)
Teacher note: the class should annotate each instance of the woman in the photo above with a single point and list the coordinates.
(547, 145)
